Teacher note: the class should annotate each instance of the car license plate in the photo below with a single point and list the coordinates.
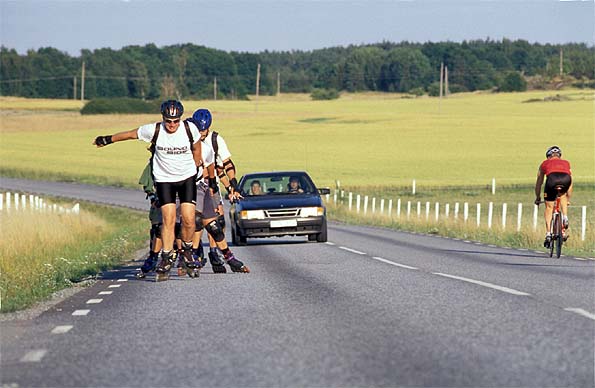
(283, 223)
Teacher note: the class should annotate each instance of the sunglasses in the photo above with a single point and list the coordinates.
(172, 121)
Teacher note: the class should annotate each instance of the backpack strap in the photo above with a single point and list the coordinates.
(215, 145)
(154, 139)
(187, 126)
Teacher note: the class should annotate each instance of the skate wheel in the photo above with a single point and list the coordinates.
(140, 275)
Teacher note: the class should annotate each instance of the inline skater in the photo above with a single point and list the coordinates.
(176, 154)
(206, 186)
(226, 172)
(558, 173)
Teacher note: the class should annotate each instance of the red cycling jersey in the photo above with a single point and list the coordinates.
(549, 166)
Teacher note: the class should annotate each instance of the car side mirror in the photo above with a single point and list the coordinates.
(324, 191)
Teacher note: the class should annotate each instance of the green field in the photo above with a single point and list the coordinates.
(359, 139)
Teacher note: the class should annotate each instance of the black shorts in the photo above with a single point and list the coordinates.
(185, 190)
(553, 180)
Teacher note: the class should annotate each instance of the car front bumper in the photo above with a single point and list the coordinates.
(280, 227)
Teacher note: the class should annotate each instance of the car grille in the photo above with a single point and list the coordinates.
(281, 213)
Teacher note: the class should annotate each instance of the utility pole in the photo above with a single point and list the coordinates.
(257, 84)
(83, 82)
(446, 91)
(278, 84)
(74, 87)
(441, 84)
(215, 88)
(561, 61)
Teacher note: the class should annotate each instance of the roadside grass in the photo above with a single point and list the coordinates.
(359, 139)
(508, 236)
(43, 252)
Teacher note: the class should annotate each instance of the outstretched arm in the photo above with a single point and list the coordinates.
(102, 141)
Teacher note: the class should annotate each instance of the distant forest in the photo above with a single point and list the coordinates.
(189, 71)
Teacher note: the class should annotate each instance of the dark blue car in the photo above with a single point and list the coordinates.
(284, 203)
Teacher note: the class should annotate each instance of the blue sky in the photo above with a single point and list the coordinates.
(285, 25)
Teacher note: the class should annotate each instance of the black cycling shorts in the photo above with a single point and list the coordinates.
(553, 180)
(185, 190)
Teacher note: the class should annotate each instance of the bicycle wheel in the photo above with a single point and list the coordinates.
(558, 238)
(553, 233)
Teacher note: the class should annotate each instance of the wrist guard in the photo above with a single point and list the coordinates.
(103, 140)
(213, 184)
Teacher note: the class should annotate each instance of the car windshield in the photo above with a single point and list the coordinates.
(268, 184)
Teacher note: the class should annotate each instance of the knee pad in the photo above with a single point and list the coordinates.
(156, 230)
(221, 220)
(198, 222)
(215, 231)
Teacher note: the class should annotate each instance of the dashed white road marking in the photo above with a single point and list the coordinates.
(582, 312)
(80, 312)
(122, 280)
(352, 250)
(485, 284)
(393, 263)
(130, 275)
(114, 286)
(94, 301)
(329, 243)
(34, 355)
(62, 329)
(105, 293)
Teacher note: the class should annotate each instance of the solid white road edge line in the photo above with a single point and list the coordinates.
(485, 284)
(352, 250)
(62, 329)
(582, 312)
(80, 312)
(393, 263)
(34, 355)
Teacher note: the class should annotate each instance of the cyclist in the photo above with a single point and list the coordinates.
(177, 154)
(226, 172)
(558, 173)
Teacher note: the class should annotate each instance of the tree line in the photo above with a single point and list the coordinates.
(189, 71)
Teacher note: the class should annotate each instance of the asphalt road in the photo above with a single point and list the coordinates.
(372, 307)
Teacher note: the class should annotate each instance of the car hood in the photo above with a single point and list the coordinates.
(277, 201)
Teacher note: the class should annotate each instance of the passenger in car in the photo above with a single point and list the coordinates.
(294, 185)
(255, 188)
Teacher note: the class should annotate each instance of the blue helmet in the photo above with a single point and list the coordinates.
(172, 109)
(203, 119)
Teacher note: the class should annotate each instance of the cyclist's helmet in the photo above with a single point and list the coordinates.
(203, 119)
(172, 109)
(553, 150)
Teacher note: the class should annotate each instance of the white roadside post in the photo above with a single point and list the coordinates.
(357, 202)
(31, 201)
(535, 207)
(504, 209)
(465, 211)
(408, 209)
(583, 223)
(1, 201)
(413, 189)
(390, 207)
(366, 204)
(374, 205)
(23, 201)
(493, 186)
(490, 214)
(519, 217)
(399, 208)
(446, 210)
(76, 208)
(437, 211)
(456, 210)
(350, 200)
(418, 209)
(8, 201)
(478, 214)
(382, 207)
(334, 197)
(16, 201)
(427, 210)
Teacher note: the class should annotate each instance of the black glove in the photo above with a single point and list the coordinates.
(537, 201)
(213, 185)
(103, 140)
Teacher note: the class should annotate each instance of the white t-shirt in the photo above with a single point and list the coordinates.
(208, 157)
(223, 152)
(173, 161)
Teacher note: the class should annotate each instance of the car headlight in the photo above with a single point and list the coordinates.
(252, 215)
(311, 211)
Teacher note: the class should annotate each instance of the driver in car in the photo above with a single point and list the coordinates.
(294, 185)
